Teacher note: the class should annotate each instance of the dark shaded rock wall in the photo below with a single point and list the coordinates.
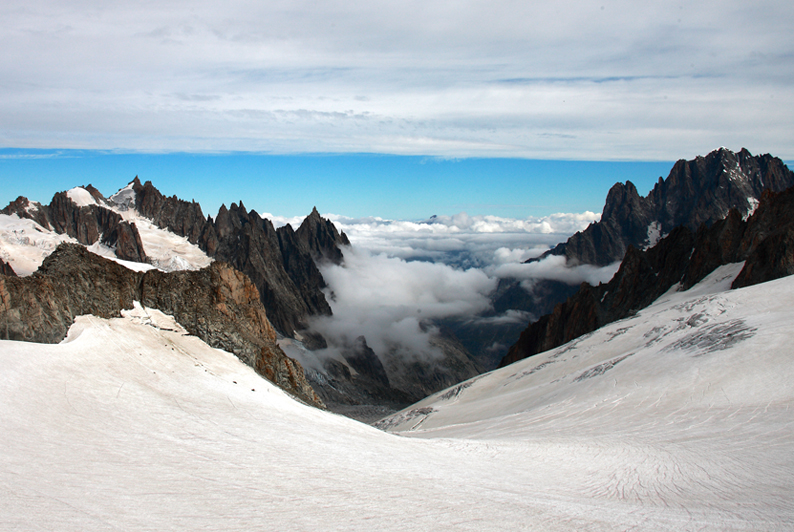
(6, 269)
(765, 242)
(696, 192)
(281, 262)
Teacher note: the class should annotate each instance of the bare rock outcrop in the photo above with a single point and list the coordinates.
(218, 304)
(696, 192)
(765, 242)
(85, 223)
(281, 262)
(6, 269)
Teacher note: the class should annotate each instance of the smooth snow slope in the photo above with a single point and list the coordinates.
(688, 406)
(130, 426)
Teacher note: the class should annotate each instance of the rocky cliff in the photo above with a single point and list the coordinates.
(765, 242)
(281, 262)
(699, 191)
(218, 304)
(85, 223)
(5, 269)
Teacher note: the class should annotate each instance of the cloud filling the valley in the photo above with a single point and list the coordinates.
(398, 276)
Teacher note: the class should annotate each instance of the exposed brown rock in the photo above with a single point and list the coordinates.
(6, 269)
(218, 304)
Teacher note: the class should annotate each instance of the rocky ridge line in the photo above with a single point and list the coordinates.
(280, 262)
(699, 191)
(765, 242)
(87, 224)
(218, 304)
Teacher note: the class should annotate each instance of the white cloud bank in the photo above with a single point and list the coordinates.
(459, 240)
(400, 274)
(566, 79)
(387, 300)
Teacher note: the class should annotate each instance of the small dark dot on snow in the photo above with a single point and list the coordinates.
(253, 390)
(234, 382)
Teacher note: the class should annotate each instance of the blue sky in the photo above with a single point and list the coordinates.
(355, 185)
(468, 106)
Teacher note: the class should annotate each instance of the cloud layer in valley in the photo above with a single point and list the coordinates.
(398, 276)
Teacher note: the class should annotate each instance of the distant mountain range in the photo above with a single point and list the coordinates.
(264, 286)
(141, 227)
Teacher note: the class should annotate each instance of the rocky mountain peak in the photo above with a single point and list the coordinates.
(321, 238)
(764, 242)
(702, 190)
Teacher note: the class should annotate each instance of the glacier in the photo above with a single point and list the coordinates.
(678, 418)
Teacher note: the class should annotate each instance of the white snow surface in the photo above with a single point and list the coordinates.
(25, 244)
(124, 199)
(166, 250)
(679, 418)
(81, 197)
(654, 234)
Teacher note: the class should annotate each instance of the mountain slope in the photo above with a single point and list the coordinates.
(765, 241)
(685, 405)
(131, 425)
(218, 304)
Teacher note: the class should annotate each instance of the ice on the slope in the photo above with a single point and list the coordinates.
(654, 234)
(132, 426)
(81, 197)
(753, 206)
(166, 250)
(24, 244)
(124, 199)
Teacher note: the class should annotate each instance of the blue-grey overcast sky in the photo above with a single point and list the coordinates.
(220, 100)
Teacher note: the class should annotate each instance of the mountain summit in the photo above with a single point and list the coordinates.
(699, 191)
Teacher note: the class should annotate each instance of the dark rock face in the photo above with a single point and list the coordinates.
(320, 238)
(696, 192)
(359, 387)
(364, 360)
(86, 224)
(765, 242)
(218, 304)
(768, 242)
(24, 208)
(5, 269)
(368, 386)
(178, 216)
(281, 262)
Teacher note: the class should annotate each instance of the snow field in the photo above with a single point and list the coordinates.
(25, 244)
(129, 424)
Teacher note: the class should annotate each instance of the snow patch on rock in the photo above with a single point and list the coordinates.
(81, 197)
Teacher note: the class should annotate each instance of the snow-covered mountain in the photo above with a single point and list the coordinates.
(676, 419)
(142, 229)
(26, 240)
(681, 415)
